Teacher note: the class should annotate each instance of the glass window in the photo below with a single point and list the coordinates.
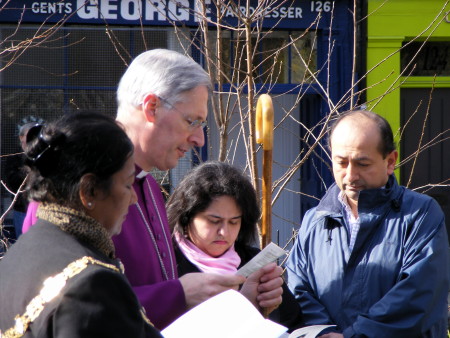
(278, 58)
(74, 57)
(273, 58)
(93, 57)
(304, 56)
(432, 59)
(74, 67)
(40, 61)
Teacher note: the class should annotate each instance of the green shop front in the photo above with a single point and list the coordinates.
(408, 81)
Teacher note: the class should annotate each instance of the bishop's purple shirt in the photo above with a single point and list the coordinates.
(150, 264)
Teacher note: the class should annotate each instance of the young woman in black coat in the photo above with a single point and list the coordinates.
(214, 213)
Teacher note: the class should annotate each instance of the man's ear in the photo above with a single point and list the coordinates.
(88, 191)
(391, 160)
(149, 105)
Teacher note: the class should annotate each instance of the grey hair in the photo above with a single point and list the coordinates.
(163, 72)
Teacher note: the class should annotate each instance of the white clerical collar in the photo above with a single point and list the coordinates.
(142, 174)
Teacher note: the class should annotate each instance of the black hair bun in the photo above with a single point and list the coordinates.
(42, 148)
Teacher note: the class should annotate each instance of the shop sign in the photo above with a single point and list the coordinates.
(285, 14)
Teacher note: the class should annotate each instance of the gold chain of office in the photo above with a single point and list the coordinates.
(52, 287)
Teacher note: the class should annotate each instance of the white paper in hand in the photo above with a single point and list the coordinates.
(227, 315)
(268, 255)
(307, 332)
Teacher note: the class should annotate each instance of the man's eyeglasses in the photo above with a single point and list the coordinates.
(193, 124)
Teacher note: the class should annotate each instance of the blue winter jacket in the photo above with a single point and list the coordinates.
(394, 283)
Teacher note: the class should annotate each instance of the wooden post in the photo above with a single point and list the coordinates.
(264, 136)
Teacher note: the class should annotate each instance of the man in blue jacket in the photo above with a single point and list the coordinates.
(372, 257)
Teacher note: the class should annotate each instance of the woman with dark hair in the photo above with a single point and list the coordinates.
(61, 279)
(214, 213)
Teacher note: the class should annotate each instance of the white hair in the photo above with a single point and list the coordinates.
(163, 72)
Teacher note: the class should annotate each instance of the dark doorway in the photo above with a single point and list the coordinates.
(431, 169)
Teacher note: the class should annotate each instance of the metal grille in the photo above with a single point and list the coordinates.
(67, 69)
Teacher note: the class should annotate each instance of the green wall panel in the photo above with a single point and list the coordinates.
(390, 23)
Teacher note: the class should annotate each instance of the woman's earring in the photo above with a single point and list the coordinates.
(89, 205)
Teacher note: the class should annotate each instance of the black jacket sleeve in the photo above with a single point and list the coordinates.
(97, 303)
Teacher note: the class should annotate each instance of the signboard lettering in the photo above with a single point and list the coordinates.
(299, 13)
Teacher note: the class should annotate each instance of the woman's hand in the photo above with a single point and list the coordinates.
(199, 286)
(263, 287)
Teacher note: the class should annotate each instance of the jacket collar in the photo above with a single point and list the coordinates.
(79, 225)
(368, 200)
(375, 198)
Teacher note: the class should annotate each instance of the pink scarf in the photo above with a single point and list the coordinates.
(225, 264)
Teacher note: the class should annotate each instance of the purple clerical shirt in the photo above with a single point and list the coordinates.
(145, 248)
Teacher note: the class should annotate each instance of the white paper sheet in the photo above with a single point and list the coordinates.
(227, 315)
(269, 254)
